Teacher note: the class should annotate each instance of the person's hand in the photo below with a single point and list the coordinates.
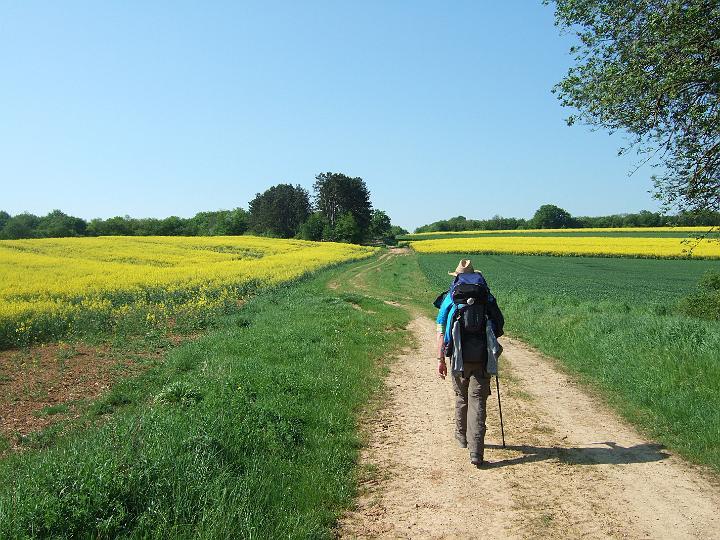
(442, 368)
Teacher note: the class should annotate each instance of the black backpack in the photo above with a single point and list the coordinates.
(472, 301)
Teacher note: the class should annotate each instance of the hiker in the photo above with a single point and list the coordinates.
(468, 320)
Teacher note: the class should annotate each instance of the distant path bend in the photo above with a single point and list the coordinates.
(572, 468)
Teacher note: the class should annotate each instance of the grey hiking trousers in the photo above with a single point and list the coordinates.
(471, 393)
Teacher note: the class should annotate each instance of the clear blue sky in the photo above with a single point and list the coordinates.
(169, 108)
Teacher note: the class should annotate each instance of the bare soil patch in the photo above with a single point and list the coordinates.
(43, 385)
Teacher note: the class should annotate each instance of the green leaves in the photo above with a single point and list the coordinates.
(549, 216)
(652, 69)
(337, 195)
(280, 210)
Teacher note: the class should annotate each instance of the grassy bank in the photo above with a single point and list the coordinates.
(248, 432)
(616, 323)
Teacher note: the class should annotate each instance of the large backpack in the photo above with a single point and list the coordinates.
(471, 295)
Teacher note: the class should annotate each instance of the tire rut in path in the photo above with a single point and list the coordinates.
(571, 468)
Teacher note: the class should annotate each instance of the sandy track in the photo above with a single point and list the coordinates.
(571, 468)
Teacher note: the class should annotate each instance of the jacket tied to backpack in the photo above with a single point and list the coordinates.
(473, 322)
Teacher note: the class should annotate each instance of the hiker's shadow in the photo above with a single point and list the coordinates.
(599, 453)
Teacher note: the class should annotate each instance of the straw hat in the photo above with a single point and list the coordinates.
(463, 267)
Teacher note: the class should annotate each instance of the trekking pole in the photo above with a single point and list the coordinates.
(502, 428)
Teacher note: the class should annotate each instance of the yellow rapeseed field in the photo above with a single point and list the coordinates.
(575, 245)
(52, 288)
(520, 232)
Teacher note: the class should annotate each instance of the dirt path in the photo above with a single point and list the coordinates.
(571, 468)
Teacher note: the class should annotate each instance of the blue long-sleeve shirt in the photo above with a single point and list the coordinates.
(447, 313)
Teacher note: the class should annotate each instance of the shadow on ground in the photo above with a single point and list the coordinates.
(600, 453)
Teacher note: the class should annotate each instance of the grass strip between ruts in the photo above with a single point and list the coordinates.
(248, 432)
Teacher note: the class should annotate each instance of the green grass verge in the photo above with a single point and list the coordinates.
(248, 432)
(616, 322)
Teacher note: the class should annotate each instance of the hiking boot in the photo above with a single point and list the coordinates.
(477, 460)
(461, 440)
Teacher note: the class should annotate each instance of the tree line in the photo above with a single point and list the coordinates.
(57, 224)
(549, 216)
(339, 210)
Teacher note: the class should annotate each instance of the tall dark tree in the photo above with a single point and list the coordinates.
(337, 194)
(549, 216)
(279, 211)
(652, 69)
